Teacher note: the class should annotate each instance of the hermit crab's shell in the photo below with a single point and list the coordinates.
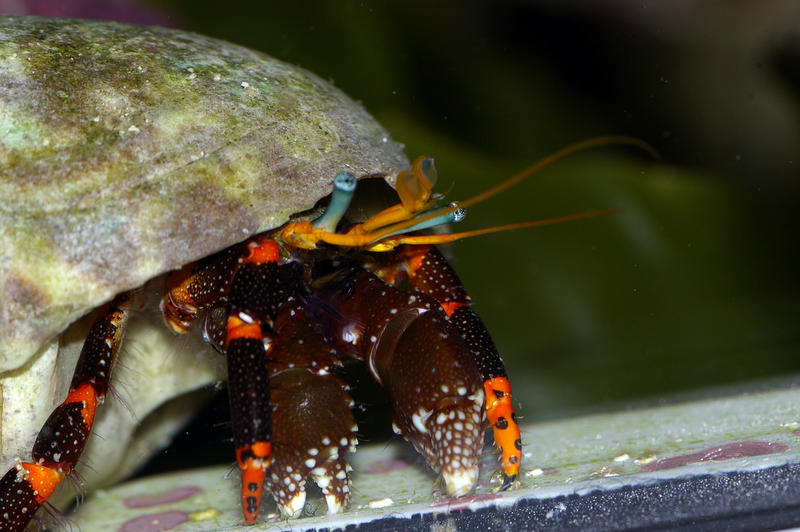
(126, 152)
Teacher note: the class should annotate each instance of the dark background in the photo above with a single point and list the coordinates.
(693, 285)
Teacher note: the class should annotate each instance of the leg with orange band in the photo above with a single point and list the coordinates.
(63, 436)
(255, 293)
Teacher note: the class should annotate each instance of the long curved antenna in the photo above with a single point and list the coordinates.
(518, 178)
(389, 228)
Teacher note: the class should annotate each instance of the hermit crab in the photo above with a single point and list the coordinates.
(129, 152)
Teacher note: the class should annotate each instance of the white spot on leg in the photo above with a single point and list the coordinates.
(419, 418)
(322, 480)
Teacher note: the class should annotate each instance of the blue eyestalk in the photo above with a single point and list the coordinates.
(344, 185)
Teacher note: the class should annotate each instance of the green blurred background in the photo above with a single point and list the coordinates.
(693, 285)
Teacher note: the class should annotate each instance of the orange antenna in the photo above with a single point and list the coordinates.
(391, 242)
(517, 178)
(554, 157)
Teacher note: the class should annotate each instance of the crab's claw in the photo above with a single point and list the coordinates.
(313, 430)
(430, 273)
(424, 362)
(436, 393)
(313, 427)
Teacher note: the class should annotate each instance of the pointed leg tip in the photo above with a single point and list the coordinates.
(293, 506)
(336, 503)
(334, 480)
(460, 481)
(508, 481)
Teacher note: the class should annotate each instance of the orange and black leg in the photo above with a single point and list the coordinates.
(200, 285)
(63, 436)
(430, 273)
(291, 417)
(255, 293)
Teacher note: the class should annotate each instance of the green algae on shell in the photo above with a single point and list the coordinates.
(128, 151)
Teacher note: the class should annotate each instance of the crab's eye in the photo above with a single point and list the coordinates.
(344, 181)
(344, 185)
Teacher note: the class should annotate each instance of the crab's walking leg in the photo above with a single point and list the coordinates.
(246, 275)
(301, 421)
(430, 273)
(63, 436)
(197, 286)
(252, 300)
(290, 416)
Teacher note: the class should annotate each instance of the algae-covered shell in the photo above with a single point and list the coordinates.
(128, 151)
